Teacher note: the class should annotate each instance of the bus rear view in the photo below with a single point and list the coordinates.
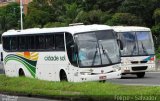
(137, 49)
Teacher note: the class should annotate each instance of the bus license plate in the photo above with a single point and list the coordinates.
(102, 77)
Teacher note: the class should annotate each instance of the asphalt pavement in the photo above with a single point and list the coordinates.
(20, 98)
(150, 79)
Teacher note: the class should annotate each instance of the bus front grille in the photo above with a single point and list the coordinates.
(144, 61)
(139, 68)
(134, 62)
(137, 62)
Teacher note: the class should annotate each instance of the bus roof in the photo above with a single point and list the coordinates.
(129, 28)
(70, 29)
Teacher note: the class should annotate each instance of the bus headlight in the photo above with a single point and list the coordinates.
(116, 68)
(85, 73)
(126, 62)
(150, 61)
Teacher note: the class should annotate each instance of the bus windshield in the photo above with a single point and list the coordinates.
(136, 43)
(97, 48)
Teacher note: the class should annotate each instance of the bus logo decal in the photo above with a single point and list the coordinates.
(149, 58)
(28, 59)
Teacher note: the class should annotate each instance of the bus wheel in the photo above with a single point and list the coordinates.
(63, 76)
(102, 81)
(21, 72)
(140, 75)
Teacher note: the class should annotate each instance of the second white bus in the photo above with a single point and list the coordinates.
(137, 49)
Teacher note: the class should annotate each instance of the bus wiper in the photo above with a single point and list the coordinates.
(134, 49)
(144, 49)
(106, 53)
(94, 56)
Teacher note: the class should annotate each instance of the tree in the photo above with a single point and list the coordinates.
(125, 19)
(109, 5)
(36, 17)
(9, 17)
(55, 24)
(71, 12)
(141, 8)
(156, 16)
(156, 30)
(93, 17)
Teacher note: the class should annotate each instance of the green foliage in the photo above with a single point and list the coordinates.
(51, 13)
(71, 12)
(36, 17)
(96, 16)
(156, 29)
(93, 90)
(55, 24)
(158, 53)
(109, 5)
(141, 8)
(156, 16)
(9, 16)
(93, 17)
(125, 19)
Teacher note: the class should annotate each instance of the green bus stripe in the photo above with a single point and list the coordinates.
(30, 70)
(33, 63)
(32, 67)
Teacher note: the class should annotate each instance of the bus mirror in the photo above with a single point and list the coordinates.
(120, 44)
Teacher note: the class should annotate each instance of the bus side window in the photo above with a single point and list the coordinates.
(1, 56)
(6, 42)
(40, 42)
(13, 43)
(50, 42)
(59, 42)
(30, 42)
(22, 44)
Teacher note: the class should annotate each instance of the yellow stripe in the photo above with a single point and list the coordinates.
(34, 59)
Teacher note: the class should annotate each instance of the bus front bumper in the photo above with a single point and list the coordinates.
(100, 77)
(129, 69)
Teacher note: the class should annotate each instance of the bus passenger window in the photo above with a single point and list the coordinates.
(30, 42)
(50, 42)
(40, 42)
(59, 42)
(6, 41)
(22, 44)
(13, 43)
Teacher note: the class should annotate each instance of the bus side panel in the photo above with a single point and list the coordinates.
(12, 65)
(49, 65)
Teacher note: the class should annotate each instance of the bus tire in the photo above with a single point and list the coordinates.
(63, 76)
(21, 72)
(140, 75)
(102, 81)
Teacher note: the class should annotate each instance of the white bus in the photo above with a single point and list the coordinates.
(74, 53)
(137, 49)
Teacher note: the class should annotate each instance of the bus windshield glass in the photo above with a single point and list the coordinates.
(98, 48)
(136, 43)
